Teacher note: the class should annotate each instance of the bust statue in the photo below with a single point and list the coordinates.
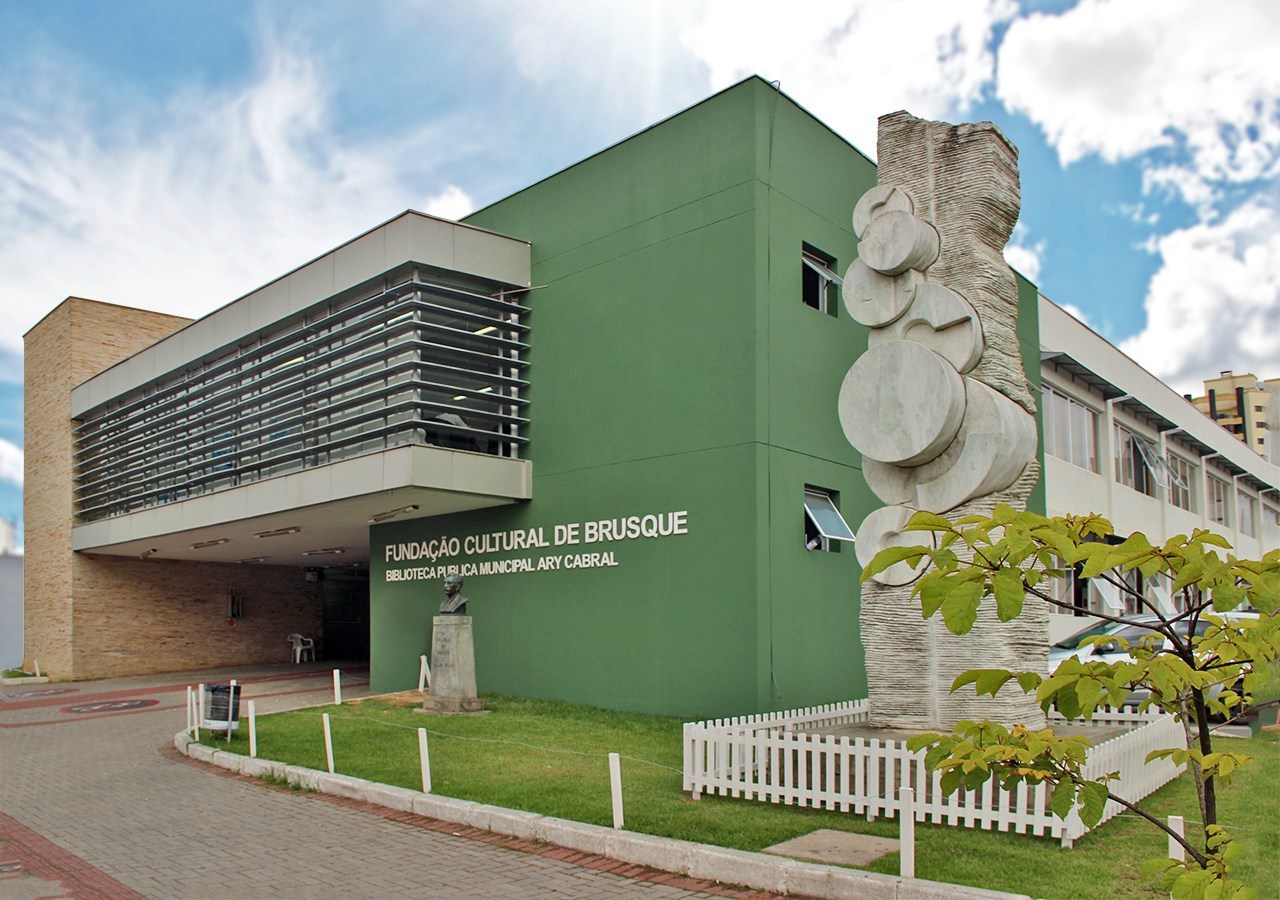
(455, 602)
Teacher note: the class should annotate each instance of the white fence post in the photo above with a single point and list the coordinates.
(337, 688)
(907, 831)
(615, 786)
(253, 731)
(199, 708)
(424, 674)
(232, 708)
(425, 759)
(328, 741)
(778, 757)
(189, 712)
(1176, 850)
(36, 664)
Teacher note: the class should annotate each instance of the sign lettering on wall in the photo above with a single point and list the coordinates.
(446, 555)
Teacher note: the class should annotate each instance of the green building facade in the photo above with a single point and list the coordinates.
(682, 398)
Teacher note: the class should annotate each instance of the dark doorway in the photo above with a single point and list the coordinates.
(346, 614)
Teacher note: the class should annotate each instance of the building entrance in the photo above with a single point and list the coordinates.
(346, 615)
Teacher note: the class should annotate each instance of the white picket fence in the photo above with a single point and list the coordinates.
(777, 757)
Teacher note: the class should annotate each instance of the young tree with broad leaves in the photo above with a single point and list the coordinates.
(1195, 664)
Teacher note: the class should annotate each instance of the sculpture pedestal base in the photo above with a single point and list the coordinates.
(453, 667)
(452, 707)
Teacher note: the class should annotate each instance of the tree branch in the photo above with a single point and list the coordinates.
(1156, 821)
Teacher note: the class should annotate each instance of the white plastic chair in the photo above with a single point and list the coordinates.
(301, 645)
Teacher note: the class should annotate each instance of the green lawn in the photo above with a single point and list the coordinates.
(551, 758)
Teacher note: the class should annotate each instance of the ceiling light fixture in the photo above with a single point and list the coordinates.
(327, 551)
(292, 529)
(200, 545)
(486, 329)
(392, 513)
(146, 554)
(253, 559)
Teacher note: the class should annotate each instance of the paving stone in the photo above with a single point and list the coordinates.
(841, 848)
(99, 790)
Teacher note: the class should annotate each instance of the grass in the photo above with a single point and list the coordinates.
(17, 673)
(551, 758)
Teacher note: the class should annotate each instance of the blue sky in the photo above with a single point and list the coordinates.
(175, 155)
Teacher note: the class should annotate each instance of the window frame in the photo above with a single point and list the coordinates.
(1073, 411)
(1247, 513)
(822, 266)
(1214, 498)
(818, 536)
(1180, 481)
(1135, 454)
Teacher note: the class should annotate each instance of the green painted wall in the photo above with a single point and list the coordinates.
(1028, 328)
(673, 367)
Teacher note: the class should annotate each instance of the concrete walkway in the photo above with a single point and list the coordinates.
(92, 805)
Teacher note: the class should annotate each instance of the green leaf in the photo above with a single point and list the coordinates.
(1208, 537)
(920, 741)
(1089, 692)
(1063, 798)
(1095, 802)
(1068, 703)
(1227, 597)
(1007, 586)
(960, 609)
(952, 781)
(1189, 574)
(1098, 560)
(1029, 681)
(927, 521)
(1004, 514)
(991, 680)
(932, 593)
(1060, 543)
(890, 556)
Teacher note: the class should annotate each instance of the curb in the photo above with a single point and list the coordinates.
(720, 864)
(28, 679)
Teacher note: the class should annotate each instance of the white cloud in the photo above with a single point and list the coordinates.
(850, 62)
(11, 457)
(451, 203)
(1026, 258)
(1215, 302)
(1124, 79)
(182, 207)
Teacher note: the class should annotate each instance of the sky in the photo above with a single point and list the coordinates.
(175, 155)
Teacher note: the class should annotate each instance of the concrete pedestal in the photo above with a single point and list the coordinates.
(453, 667)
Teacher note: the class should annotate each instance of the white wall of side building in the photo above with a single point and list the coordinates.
(1184, 456)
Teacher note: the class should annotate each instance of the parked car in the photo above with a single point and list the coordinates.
(1132, 630)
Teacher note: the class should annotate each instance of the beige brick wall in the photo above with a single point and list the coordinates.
(139, 616)
(77, 339)
(46, 501)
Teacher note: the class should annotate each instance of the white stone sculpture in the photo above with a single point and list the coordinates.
(939, 405)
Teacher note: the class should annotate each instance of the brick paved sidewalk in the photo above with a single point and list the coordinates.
(90, 803)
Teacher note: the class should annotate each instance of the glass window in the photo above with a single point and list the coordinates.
(1179, 482)
(1270, 516)
(1216, 503)
(818, 281)
(823, 522)
(1135, 462)
(1070, 430)
(1246, 507)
